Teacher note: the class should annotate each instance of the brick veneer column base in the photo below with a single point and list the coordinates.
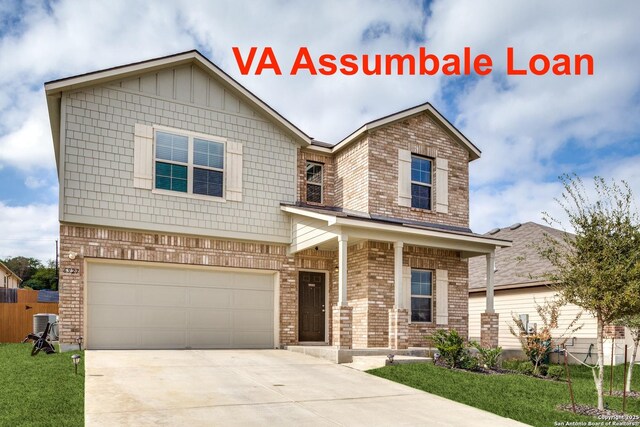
(489, 328)
(398, 328)
(342, 326)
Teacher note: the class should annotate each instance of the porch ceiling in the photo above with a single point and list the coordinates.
(320, 227)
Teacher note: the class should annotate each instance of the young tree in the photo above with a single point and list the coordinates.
(538, 344)
(633, 323)
(598, 268)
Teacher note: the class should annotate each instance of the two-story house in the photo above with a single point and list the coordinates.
(193, 215)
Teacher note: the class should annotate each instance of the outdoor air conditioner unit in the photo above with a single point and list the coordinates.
(40, 321)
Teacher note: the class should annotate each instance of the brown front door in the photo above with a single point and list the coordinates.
(311, 307)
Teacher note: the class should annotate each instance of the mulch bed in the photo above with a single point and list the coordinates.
(632, 394)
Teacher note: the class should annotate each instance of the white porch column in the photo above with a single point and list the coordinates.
(491, 266)
(397, 273)
(342, 270)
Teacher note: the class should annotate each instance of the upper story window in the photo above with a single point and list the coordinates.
(189, 164)
(421, 295)
(314, 182)
(421, 168)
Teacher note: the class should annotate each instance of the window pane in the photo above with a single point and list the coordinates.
(314, 173)
(207, 182)
(420, 196)
(171, 177)
(421, 309)
(421, 282)
(420, 170)
(171, 147)
(314, 193)
(208, 153)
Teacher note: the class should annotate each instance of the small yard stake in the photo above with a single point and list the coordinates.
(566, 367)
(613, 343)
(624, 380)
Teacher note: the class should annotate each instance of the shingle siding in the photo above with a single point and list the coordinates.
(98, 179)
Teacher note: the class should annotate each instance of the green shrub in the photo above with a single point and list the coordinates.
(488, 357)
(543, 369)
(451, 347)
(511, 364)
(556, 372)
(526, 368)
(469, 362)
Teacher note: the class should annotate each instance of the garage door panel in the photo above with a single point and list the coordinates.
(261, 282)
(251, 340)
(148, 306)
(162, 276)
(253, 320)
(161, 296)
(105, 273)
(205, 338)
(210, 297)
(248, 299)
(106, 338)
(113, 316)
(162, 317)
(151, 338)
(208, 319)
(113, 293)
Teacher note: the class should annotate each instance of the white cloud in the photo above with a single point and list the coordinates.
(29, 230)
(520, 123)
(34, 183)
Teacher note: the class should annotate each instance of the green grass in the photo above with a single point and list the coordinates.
(41, 390)
(526, 399)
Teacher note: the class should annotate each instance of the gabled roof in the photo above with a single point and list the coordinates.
(7, 270)
(54, 89)
(474, 152)
(519, 265)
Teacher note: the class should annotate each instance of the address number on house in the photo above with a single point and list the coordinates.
(71, 270)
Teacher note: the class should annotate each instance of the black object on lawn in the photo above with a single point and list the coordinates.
(40, 341)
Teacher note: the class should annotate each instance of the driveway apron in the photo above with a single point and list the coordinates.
(245, 387)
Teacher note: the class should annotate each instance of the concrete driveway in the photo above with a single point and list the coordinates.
(245, 387)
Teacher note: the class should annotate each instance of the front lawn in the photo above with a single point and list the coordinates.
(526, 399)
(40, 390)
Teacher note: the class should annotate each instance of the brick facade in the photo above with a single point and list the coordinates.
(123, 245)
(613, 332)
(398, 328)
(328, 187)
(104, 217)
(489, 332)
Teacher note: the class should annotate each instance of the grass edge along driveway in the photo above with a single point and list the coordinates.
(519, 397)
(40, 390)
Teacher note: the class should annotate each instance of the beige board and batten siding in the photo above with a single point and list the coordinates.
(99, 128)
(309, 232)
(521, 301)
(136, 306)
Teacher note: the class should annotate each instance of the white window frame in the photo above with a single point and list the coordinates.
(423, 184)
(190, 165)
(430, 297)
(307, 183)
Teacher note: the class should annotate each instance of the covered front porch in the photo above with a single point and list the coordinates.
(397, 281)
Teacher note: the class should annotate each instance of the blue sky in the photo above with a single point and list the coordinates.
(530, 128)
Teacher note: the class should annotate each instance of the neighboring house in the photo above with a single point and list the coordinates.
(193, 215)
(520, 285)
(9, 278)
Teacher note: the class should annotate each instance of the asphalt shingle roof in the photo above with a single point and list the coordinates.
(518, 264)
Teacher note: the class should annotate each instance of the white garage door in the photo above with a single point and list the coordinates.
(151, 307)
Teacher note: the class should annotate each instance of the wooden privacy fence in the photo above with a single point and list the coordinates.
(16, 319)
